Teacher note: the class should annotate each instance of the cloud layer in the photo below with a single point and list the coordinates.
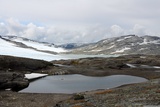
(62, 34)
(63, 21)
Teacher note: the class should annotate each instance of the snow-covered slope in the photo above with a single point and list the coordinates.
(28, 49)
(129, 44)
(22, 47)
(42, 46)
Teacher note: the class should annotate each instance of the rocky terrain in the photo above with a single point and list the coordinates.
(133, 95)
(12, 70)
(129, 44)
(111, 66)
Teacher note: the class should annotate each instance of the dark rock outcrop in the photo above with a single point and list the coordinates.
(15, 63)
(12, 70)
(13, 81)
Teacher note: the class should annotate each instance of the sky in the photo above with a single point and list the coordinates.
(78, 21)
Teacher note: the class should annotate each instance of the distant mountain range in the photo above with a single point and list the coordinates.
(70, 46)
(129, 44)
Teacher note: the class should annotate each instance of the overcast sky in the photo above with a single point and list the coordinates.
(66, 21)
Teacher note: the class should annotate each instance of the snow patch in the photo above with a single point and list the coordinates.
(131, 65)
(142, 49)
(142, 66)
(124, 38)
(120, 40)
(111, 47)
(145, 41)
(121, 50)
(132, 44)
(95, 46)
(157, 67)
(34, 75)
(96, 50)
(128, 37)
(105, 41)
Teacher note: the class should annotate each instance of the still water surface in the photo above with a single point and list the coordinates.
(79, 83)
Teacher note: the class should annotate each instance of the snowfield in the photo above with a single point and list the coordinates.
(40, 46)
(7, 48)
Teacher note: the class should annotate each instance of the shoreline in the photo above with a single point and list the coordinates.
(142, 94)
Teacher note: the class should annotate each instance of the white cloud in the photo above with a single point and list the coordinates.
(116, 30)
(14, 27)
(3, 28)
(61, 34)
(139, 30)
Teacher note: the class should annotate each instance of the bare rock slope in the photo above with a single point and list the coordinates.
(129, 44)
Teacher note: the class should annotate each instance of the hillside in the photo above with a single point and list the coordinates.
(23, 47)
(129, 44)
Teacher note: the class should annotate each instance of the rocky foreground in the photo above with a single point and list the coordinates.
(12, 70)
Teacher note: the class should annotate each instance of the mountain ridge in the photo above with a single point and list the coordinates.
(128, 44)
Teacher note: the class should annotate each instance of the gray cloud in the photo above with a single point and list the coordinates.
(62, 21)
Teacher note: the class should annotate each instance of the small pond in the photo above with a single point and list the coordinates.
(79, 83)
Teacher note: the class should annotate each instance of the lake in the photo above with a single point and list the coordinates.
(79, 83)
(70, 56)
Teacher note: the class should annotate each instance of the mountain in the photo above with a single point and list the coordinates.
(23, 47)
(129, 44)
(70, 46)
